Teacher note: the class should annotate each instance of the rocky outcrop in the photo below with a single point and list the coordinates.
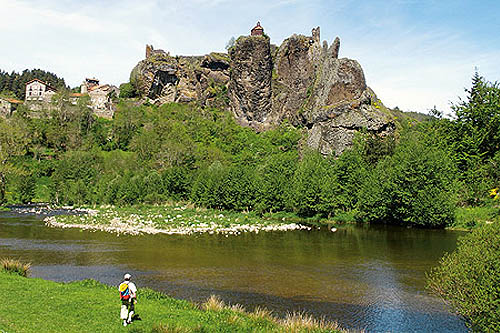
(163, 78)
(250, 81)
(302, 81)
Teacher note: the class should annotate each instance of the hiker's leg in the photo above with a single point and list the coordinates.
(131, 311)
(124, 312)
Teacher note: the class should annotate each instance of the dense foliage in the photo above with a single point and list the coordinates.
(469, 278)
(150, 154)
(14, 84)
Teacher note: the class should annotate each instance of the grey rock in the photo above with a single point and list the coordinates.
(250, 81)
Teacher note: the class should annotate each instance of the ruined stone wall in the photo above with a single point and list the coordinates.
(5, 108)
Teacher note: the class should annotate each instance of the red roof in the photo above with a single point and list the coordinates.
(77, 95)
(258, 27)
(12, 100)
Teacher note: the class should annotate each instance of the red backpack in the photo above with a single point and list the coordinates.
(124, 291)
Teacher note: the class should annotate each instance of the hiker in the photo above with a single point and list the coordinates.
(128, 296)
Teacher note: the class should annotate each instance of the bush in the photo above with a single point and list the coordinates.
(415, 186)
(314, 186)
(75, 176)
(275, 187)
(469, 278)
(127, 91)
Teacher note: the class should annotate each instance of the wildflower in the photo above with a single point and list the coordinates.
(495, 194)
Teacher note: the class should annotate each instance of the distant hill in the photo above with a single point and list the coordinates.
(409, 115)
(15, 82)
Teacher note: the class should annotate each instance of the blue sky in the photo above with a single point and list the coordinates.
(415, 54)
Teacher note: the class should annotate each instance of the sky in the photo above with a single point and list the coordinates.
(416, 54)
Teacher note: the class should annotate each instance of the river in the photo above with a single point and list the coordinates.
(368, 278)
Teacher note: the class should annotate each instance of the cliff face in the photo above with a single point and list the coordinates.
(302, 81)
(250, 81)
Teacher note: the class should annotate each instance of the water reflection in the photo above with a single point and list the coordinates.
(364, 277)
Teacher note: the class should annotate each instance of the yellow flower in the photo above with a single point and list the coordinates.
(495, 194)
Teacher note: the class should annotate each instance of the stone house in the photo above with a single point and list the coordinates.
(39, 91)
(8, 106)
(257, 30)
(101, 97)
(88, 84)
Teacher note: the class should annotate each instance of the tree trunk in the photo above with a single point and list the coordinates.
(2, 188)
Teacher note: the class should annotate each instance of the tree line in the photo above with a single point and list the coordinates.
(150, 154)
(14, 84)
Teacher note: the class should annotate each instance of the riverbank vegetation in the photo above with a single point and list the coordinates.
(437, 172)
(36, 305)
(469, 278)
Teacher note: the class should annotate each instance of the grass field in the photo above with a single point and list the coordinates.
(36, 305)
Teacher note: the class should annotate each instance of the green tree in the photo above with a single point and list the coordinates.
(478, 119)
(275, 188)
(314, 186)
(13, 142)
(415, 186)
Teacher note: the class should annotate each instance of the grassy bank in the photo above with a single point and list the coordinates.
(468, 218)
(36, 305)
(172, 219)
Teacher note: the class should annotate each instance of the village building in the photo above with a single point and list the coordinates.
(257, 30)
(39, 91)
(101, 97)
(88, 84)
(39, 95)
(8, 106)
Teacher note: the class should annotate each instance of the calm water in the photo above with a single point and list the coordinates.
(363, 277)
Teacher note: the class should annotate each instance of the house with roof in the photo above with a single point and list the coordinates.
(39, 91)
(101, 96)
(8, 106)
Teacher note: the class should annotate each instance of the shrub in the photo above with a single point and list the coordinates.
(314, 186)
(415, 186)
(275, 187)
(127, 90)
(469, 278)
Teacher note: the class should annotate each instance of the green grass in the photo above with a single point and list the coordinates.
(471, 217)
(36, 305)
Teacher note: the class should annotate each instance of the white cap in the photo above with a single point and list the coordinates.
(127, 276)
